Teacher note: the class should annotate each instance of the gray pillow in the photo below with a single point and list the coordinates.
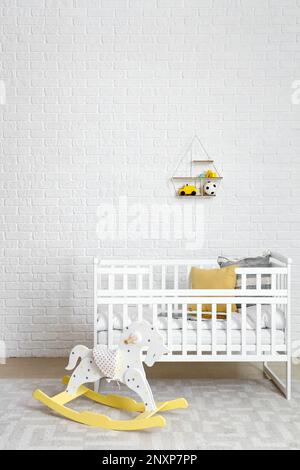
(257, 262)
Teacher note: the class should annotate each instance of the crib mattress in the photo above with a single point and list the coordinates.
(206, 336)
(176, 321)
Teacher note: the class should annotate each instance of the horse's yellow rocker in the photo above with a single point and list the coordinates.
(124, 365)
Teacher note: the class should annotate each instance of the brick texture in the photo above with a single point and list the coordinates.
(102, 96)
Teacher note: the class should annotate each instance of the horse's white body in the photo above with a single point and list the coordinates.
(135, 338)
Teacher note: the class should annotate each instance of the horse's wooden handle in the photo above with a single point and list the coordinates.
(130, 340)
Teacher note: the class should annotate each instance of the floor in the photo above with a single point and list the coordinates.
(54, 368)
(232, 406)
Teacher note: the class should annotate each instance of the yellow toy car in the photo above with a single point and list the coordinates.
(187, 190)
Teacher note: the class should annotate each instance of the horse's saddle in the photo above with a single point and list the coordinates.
(108, 361)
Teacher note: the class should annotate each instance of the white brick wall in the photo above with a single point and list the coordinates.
(101, 98)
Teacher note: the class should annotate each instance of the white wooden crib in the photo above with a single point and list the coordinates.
(159, 291)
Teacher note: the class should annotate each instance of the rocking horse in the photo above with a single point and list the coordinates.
(125, 365)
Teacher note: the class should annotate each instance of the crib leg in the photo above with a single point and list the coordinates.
(289, 379)
(97, 386)
(286, 389)
(265, 366)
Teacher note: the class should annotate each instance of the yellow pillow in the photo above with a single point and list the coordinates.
(223, 278)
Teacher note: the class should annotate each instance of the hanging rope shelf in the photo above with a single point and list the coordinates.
(203, 179)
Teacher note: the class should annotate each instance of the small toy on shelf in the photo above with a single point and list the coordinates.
(187, 190)
(211, 174)
(209, 188)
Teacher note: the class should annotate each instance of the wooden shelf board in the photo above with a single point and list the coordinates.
(196, 178)
(197, 195)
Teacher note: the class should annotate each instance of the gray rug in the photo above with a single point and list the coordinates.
(223, 414)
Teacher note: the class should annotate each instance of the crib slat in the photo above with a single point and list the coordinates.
(244, 281)
(110, 326)
(111, 282)
(258, 281)
(199, 329)
(125, 282)
(97, 284)
(258, 329)
(285, 281)
(151, 285)
(163, 276)
(176, 276)
(140, 282)
(163, 281)
(273, 329)
(273, 281)
(184, 328)
(176, 281)
(140, 287)
(169, 338)
(125, 315)
(140, 312)
(151, 277)
(244, 325)
(214, 329)
(188, 278)
(154, 315)
(228, 328)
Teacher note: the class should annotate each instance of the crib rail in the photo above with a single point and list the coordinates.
(190, 292)
(192, 300)
(156, 278)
